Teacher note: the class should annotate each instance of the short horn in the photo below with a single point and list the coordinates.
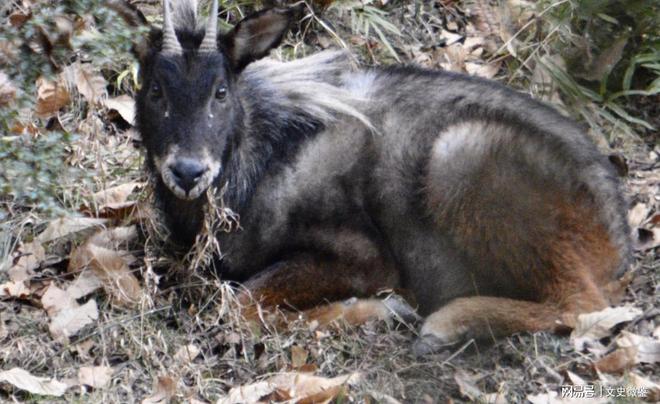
(209, 43)
(171, 44)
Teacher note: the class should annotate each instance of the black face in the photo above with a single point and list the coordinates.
(188, 112)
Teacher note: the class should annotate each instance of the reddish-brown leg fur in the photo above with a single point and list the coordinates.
(318, 285)
(581, 262)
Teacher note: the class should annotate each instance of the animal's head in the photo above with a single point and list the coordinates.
(188, 110)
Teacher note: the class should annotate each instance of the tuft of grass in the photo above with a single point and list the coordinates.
(603, 57)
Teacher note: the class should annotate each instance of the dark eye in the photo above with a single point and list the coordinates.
(221, 92)
(156, 91)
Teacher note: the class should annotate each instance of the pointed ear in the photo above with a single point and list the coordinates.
(256, 35)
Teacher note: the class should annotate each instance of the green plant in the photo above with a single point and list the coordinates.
(611, 56)
(40, 43)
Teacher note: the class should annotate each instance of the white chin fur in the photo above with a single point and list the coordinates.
(203, 183)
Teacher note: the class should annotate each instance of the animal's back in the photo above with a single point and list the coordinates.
(482, 191)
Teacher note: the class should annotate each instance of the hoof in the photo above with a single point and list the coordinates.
(401, 310)
(428, 344)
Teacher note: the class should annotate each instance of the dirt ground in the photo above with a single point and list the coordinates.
(94, 309)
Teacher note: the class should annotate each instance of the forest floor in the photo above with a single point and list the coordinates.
(93, 310)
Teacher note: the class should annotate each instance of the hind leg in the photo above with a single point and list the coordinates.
(486, 317)
(483, 318)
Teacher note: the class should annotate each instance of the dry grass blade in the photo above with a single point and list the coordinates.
(217, 218)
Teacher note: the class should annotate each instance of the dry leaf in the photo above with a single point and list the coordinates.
(187, 353)
(110, 265)
(67, 317)
(605, 62)
(86, 283)
(7, 90)
(638, 214)
(115, 238)
(449, 37)
(62, 227)
(298, 356)
(617, 361)
(482, 70)
(96, 376)
(552, 397)
(454, 56)
(164, 390)
(124, 105)
(18, 18)
(298, 387)
(55, 300)
(647, 349)
(23, 380)
(591, 327)
(466, 384)
(90, 84)
(51, 96)
(112, 203)
(83, 349)
(14, 289)
(68, 322)
(30, 257)
(652, 389)
(115, 195)
(575, 379)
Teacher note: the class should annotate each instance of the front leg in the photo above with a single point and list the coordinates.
(320, 285)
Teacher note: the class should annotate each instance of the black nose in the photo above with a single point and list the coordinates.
(187, 172)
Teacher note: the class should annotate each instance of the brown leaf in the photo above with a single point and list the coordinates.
(482, 70)
(163, 391)
(552, 397)
(605, 62)
(647, 349)
(67, 317)
(86, 283)
(298, 356)
(55, 300)
(100, 254)
(617, 361)
(23, 380)
(467, 386)
(51, 97)
(187, 353)
(115, 197)
(65, 226)
(638, 214)
(90, 84)
(63, 29)
(124, 105)
(14, 289)
(30, 257)
(298, 387)
(95, 376)
(650, 388)
(7, 90)
(591, 327)
(18, 18)
(68, 322)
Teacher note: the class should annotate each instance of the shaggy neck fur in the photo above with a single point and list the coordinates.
(285, 104)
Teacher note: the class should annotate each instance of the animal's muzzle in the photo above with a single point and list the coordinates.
(187, 173)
